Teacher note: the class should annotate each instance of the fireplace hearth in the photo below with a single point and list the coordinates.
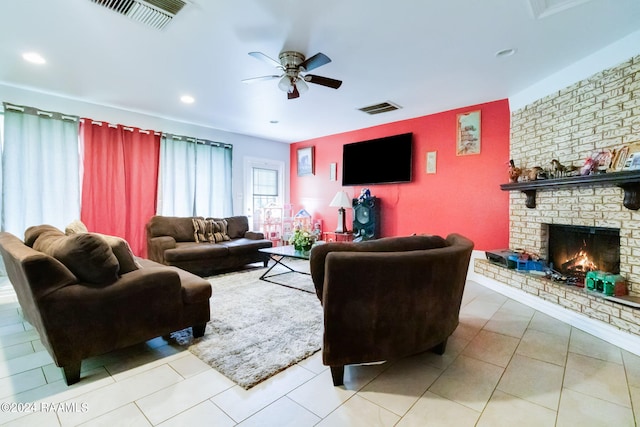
(573, 251)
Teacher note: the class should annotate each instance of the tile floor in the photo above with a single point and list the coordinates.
(506, 365)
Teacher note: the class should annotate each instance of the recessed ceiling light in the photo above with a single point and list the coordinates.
(33, 57)
(187, 99)
(505, 52)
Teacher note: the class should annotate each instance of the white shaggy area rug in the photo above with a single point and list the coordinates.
(258, 328)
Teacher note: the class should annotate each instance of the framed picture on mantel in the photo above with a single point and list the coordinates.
(468, 133)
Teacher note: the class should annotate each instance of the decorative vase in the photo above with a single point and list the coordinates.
(306, 248)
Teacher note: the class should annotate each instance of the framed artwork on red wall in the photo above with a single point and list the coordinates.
(305, 161)
(468, 133)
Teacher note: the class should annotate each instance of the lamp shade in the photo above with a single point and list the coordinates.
(285, 84)
(341, 200)
(301, 85)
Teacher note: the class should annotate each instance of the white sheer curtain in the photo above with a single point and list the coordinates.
(213, 181)
(40, 169)
(194, 177)
(176, 176)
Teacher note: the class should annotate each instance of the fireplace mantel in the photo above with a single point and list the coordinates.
(629, 181)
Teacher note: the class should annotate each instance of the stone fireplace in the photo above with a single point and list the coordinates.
(592, 115)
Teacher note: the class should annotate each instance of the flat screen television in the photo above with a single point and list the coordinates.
(378, 161)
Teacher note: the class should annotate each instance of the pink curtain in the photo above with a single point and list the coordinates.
(120, 180)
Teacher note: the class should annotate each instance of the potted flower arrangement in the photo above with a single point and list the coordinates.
(302, 240)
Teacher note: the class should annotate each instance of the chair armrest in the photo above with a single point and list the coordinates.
(43, 274)
(157, 246)
(155, 283)
(82, 307)
(82, 320)
(254, 235)
(385, 244)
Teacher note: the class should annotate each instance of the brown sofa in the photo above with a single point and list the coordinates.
(388, 298)
(83, 301)
(171, 241)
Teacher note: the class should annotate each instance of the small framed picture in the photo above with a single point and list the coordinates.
(619, 159)
(305, 161)
(468, 133)
(632, 161)
(431, 162)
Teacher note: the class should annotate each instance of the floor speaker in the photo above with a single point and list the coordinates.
(366, 219)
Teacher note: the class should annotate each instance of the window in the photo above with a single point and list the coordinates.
(264, 185)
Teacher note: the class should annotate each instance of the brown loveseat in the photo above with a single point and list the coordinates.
(172, 241)
(84, 301)
(388, 298)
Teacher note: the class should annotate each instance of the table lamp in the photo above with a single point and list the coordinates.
(341, 200)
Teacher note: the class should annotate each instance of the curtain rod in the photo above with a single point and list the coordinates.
(129, 128)
(37, 112)
(197, 140)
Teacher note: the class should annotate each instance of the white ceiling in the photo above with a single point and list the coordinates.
(426, 56)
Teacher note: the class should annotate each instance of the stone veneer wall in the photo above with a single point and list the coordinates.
(601, 112)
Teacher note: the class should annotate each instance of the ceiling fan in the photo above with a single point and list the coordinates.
(293, 67)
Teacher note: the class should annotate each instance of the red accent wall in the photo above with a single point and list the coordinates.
(463, 196)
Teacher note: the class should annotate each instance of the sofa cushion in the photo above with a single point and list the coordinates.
(122, 251)
(237, 226)
(86, 255)
(191, 251)
(32, 233)
(180, 228)
(118, 245)
(245, 246)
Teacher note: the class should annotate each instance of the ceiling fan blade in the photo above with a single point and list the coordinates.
(315, 61)
(324, 81)
(260, 79)
(264, 58)
(294, 94)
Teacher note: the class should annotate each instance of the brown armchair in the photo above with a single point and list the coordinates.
(388, 298)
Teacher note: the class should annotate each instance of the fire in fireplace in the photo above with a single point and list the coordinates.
(575, 250)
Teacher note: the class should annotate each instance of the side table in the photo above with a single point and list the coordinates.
(332, 236)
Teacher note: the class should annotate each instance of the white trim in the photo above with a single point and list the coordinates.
(594, 327)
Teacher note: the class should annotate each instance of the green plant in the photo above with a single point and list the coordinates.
(302, 239)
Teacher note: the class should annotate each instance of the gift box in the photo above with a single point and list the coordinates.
(614, 285)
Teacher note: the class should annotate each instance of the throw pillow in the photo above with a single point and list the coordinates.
(202, 231)
(74, 227)
(86, 255)
(219, 228)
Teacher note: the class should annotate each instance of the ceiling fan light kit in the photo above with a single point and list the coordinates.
(293, 66)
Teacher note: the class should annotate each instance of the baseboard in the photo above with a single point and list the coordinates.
(594, 327)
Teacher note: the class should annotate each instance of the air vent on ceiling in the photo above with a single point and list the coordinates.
(154, 13)
(544, 8)
(383, 107)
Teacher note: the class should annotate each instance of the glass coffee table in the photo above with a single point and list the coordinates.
(278, 254)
